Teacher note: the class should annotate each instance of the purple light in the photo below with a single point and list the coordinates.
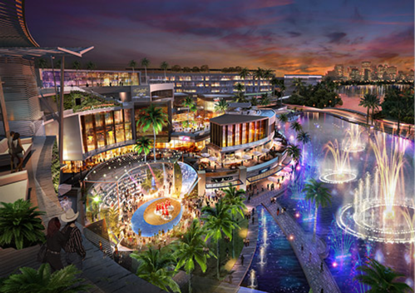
(297, 215)
(334, 264)
(298, 168)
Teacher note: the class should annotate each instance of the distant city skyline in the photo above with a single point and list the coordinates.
(305, 37)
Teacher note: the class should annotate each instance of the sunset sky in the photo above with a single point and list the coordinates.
(303, 36)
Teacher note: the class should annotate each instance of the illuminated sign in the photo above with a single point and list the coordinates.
(140, 91)
(184, 138)
(264, 170)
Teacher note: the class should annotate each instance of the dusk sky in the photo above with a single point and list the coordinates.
(303, 36)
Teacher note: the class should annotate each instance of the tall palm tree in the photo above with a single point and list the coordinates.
(381, 278)
(399, 111)
(239, 99)
(41, 280)
(76, 65)
(145, 63)
(304, 138)
(221, 105)
(374, 102)
(296, 126)
(298, 83)
(143, 145)
(20, 225)
(259, 73)
(132, 64)
(239, 87)
(282, 89)
(189, 102)
(234, 198)
(294, 152)
(157, 268)
(164, 67)
(366, 103)
(191, 248)
(243, 74)
(316, 193)
(156, 118)
(218, 222)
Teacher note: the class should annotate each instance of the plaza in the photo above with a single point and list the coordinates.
(198, 179)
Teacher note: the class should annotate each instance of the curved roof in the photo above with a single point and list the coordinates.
(13, 28)
(235, 119)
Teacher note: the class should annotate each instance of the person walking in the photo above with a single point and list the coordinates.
(321, 267)
(74, 249)
(17, 150)
(9, 144)
(55, 240)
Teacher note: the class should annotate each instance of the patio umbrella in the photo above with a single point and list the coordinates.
(257, 153)
(198, 116)
(213, 159)
(205, 155)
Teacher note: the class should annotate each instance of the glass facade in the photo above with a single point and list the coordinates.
(237, 134)
(105, 128)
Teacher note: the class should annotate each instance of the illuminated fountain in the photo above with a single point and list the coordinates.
(341, 172)
(380, 210)
(253, 282)
(354, 142)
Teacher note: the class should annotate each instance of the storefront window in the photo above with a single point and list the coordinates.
(230, 141)
(128, 123)
(109, 128)
(244, 133)
(251, 131)
(99, 119)
(237, 134)
(118, 123)
(89, 132)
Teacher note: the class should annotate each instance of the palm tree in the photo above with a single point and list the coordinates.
(221, 105)
(366, 103)
(234, 198)
(320, 195)
(164, 67)
(283, 118)
(76, 65)
(296, 126)
(374, 102)
(399, 110)
(156, 118)
(254, 101)
(298, 83)
(282, 89)
(239, 87)
(41, 280)
(259, 73)
(189, 102)
(145, 63)
(239, 99)
(143, 145)
(294, 152)
(243, 74)
(191, 248)
(304, 138)
(381, 278)
(265, 101)
(157, 268)
(218, 222)
(20, 225)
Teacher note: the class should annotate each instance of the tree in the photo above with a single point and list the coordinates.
(294, 152)
(381, 278)
(176, 68)
(204, 68)
(303, 137)
(234, 198)
(143, 145)
(164, 67)
(195, 69)
(283, 118)
(76, 65)
(218, 222)
(399, 111)
(296, 126)
(42, 63)
(239, 98)
(298, 83)
(221, 105)
(243, 74)
(239, 87)
(20, 225)
(132, 64)
(42, 281)
(90, 66)
(374, 102)
(156, 118)
(189, 102)
(259, 73)
(254, 101)
(145, 63)
(157, 268)
(191, 248)
(316, 193)
(282, 89)
(265, 101)
(366, 103)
